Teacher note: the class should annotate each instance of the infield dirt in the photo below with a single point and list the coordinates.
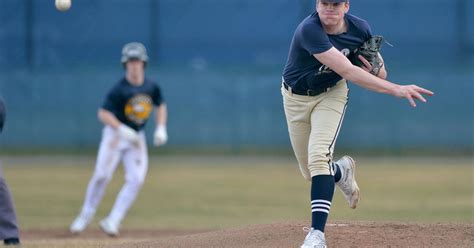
(286, 234)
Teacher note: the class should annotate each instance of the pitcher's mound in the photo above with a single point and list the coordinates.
(338, 234)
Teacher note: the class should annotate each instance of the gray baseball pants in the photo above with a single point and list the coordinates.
(8, 223)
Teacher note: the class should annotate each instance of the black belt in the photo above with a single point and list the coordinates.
(309, 92)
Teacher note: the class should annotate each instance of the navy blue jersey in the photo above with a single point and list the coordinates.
(303, 71)
(132, 105)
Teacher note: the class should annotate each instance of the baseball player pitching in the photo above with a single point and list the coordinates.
(125, 111)
(8, 223)
(315, 97)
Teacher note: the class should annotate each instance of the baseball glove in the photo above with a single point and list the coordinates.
(370, 50)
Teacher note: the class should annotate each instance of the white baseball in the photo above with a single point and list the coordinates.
(62, 5)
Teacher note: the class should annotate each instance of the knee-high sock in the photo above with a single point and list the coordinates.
(322, 191)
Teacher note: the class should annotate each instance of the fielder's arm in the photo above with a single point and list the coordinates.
(339, 63)
(160, 136)
(161, 114)
(108, 118)
(124, 131)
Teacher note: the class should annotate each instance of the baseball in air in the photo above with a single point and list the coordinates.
(62, 5)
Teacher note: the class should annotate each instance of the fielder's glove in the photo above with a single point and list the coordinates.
(128, 133)
(370, 50)
(161, 136)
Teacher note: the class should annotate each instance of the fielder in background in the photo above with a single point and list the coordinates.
(8, 223)
(315, 97)
(124, 113)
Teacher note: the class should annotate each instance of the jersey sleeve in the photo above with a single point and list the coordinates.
(111, 101)
(313, 39)
(157, 97)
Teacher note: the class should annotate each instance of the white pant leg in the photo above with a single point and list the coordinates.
(107, 160)
(313, 125)
(326, 121)
(298, 117)
(135, 161)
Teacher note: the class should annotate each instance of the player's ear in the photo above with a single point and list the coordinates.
(347, 5)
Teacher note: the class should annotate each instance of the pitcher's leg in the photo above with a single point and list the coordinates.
(299, 137)
(326, 121)
(299, 128)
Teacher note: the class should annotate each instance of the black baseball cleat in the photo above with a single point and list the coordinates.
(11, 241)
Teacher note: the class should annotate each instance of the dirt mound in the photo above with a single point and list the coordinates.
(338, 234)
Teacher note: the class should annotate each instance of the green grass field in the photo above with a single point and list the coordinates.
(216, 192)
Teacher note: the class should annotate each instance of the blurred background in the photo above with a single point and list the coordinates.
(219, 64)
